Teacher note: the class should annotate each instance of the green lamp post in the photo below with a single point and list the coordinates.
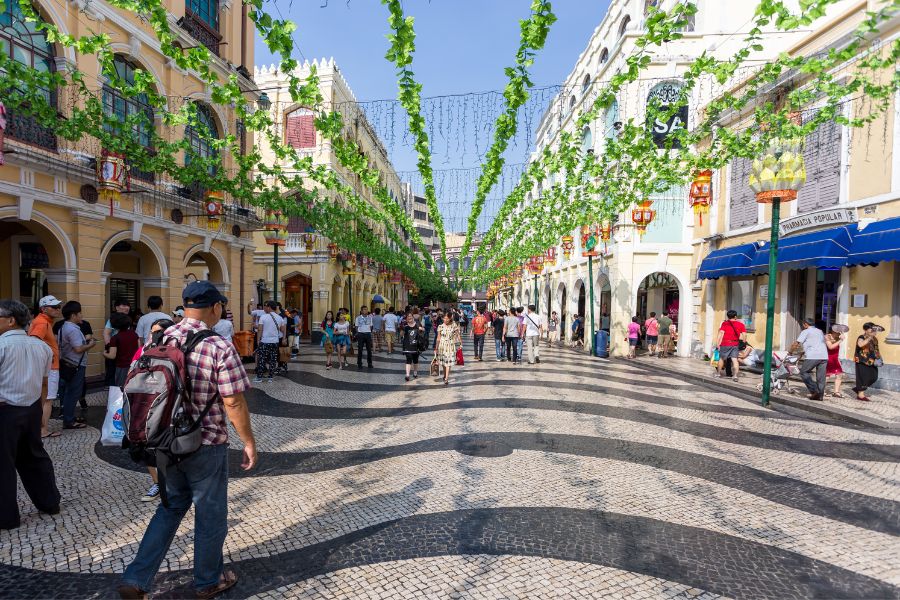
(775, 178)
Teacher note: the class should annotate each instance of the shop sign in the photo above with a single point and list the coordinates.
(819, 218)
(764, 290)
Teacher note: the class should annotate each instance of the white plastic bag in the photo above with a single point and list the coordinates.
(113, 427)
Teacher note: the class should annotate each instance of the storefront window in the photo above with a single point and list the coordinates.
(741, 297)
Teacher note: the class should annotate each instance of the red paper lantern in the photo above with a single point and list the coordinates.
(701, 193)
(642, 216)
(550, 256)
(568, 246)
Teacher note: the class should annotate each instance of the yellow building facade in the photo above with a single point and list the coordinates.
(852, 192)
(55, 237)
(309, 277)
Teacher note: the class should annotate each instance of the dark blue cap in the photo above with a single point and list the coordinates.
(201, 294)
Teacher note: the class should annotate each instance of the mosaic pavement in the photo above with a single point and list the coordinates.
(574, 478)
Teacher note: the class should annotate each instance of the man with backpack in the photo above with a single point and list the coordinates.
(214, 385)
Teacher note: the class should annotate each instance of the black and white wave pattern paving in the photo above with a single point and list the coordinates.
(572, 478)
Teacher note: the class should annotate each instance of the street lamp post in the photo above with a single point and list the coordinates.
(589, 241)
(775, 178)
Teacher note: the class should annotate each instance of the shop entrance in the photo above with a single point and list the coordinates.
(658, 293)
(827, 283)
(298, 294)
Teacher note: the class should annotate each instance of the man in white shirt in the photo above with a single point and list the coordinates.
(154, 303)
(815, 358)
(533, 328)
(270, 329)
(24, 366)
(390, 328)
(225, 329)
(364, 336)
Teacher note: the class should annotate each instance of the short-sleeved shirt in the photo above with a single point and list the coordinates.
(498, 327)
(532, 324)
(142, 329)
(126, 345)
(733, 331)
(24, 363)
(70, 336)
(479, 325)
(257, 314)
(813, 341)
(634, 330)
(215, 372)
(665, 325)
(269, 326)
(364, 323)
(652, 326)
(390, 322)
(342, 328)
(512, 326)
(554, 323)
(377, 322)
(42, 329)
(225, 328)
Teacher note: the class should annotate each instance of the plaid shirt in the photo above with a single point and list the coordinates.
(215, 371)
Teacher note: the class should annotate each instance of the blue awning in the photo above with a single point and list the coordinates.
(727, 262)
(378, 299)
(879, 241)
(825, 249)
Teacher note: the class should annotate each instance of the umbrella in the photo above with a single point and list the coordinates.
(378, 299)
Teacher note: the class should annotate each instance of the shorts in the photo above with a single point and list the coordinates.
(121, 375)
(633, 342)
(651, 339)
(726, 352)
(664, 339)
(342, 340)
(389, 337)
(52, 384)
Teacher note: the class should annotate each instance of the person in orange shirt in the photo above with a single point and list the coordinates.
(42, 328)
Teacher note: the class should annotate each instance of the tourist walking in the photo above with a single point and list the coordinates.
(577, 331)
(364, 336)
(815, 358)
(520, 315)
(666, 334)
(328, 338)
(533, 327)
(634, 336)
(42, 328)
(553, 330)
(73, 349)
(511, 335)
(479, 330)
(217, 380)
(25, 363)
(499, 342)
(448, 340)
(270, 329)
(411, 336)
(651, 330)
(224, 329)
(154, 303)
(122, 346)
(833, 367)
(867, 360)
(378, 330)
(342, 338)
(123, 306)
(732, 337)
(391, 320)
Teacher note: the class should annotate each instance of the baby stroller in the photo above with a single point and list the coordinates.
(784, 364)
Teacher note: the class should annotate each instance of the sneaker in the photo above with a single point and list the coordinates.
(537, 359)
(257, 380)
(152, 494)
(269, 380)
(415, 375)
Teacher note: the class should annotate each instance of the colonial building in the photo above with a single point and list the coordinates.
(309, 277)
(454, 267)
(839, 240)
(636, 273)
(55, 236)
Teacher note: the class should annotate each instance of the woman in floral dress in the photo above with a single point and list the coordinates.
(867, 358)
(447, 340)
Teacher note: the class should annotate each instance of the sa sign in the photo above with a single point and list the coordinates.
(662, 96)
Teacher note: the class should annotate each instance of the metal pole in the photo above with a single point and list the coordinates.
(537, 304)
(350, 287)
(275, 274)
(591, 277)
(770, 302)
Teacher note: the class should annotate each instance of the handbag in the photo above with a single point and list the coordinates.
(67, 369)
(284, 354)
(742, 345)
(435, 367)
(459, 357)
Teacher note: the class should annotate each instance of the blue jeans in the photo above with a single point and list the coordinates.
(71, 395)
(479, 345)
(201, 479)
(499, 348)
(521, 345)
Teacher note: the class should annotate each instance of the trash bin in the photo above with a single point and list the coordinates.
(243, 342)
(601, 344)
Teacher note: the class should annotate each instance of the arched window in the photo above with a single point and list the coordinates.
(571, 103)
(200, 134)
(207, 11)
(116, 104)
(585, 83)
(300, 128)
(604, 56)
(454, 265)
(540, 189)
(624, 26)
(587, 140)
(25, 43)
(610, 118)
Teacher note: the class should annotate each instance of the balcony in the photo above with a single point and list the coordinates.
(295, 243)
(26, 129)
(200, 31)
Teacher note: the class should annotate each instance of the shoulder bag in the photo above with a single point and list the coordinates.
(742, 345)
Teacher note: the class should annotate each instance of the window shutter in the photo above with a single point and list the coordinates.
(822, 153)
(744, 211)
(300, 129)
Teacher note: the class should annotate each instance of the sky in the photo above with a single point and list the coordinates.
(462, 46)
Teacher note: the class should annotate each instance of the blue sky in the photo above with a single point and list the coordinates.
(461, 46)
